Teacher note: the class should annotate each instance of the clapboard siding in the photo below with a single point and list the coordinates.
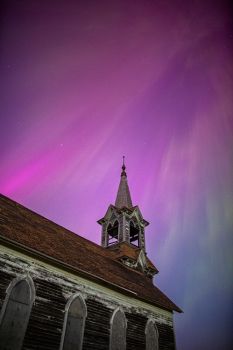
(166, 337)
(46, 319)
(97, 328)
(47, 315)
(135, 335)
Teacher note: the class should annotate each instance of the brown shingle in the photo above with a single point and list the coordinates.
(124, 249)
(33, 231)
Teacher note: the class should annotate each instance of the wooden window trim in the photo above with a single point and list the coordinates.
(69, 302)
(12, 284)
(30, 285)
(151, 320)
(111, 324)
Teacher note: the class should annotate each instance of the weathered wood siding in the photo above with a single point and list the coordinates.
(53, 290)
(97, 328)
(135, 335)
(46, 319)
(166, 337)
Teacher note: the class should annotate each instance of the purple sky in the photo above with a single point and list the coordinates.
(85, 82)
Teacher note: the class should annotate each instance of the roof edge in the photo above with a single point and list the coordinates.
(56, 262)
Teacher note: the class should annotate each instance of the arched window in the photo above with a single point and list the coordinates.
(134, 233)
(152, 336)
(15, 313)
(113, 233)
(74, 323)
(118, 330)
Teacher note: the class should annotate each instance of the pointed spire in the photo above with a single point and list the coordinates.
(123, 198)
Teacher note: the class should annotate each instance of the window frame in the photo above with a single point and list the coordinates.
(118, 309)
(133, 224)
(67, 307)
(112, 224)
(155, 346)
(27, 278)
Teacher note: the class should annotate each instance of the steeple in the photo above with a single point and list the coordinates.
(123, 198)
(123, 230)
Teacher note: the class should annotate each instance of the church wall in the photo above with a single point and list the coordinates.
(135, 337)
(54, 286)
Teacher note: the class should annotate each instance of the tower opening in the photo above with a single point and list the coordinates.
(113, 233)
(134, 234)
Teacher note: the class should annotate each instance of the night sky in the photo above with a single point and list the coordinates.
(84, 83)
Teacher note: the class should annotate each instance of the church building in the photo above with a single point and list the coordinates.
(60, 291)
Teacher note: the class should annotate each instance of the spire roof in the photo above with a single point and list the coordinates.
(123, 198)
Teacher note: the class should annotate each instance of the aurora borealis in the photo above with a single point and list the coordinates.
(84, 83)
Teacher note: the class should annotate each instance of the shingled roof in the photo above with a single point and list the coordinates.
(38, 235)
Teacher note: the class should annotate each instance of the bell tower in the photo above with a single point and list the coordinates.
(123, 229)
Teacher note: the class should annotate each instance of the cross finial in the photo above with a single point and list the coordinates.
(123, 167)
(123, 162)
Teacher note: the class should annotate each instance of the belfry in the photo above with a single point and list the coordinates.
(123, 230)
